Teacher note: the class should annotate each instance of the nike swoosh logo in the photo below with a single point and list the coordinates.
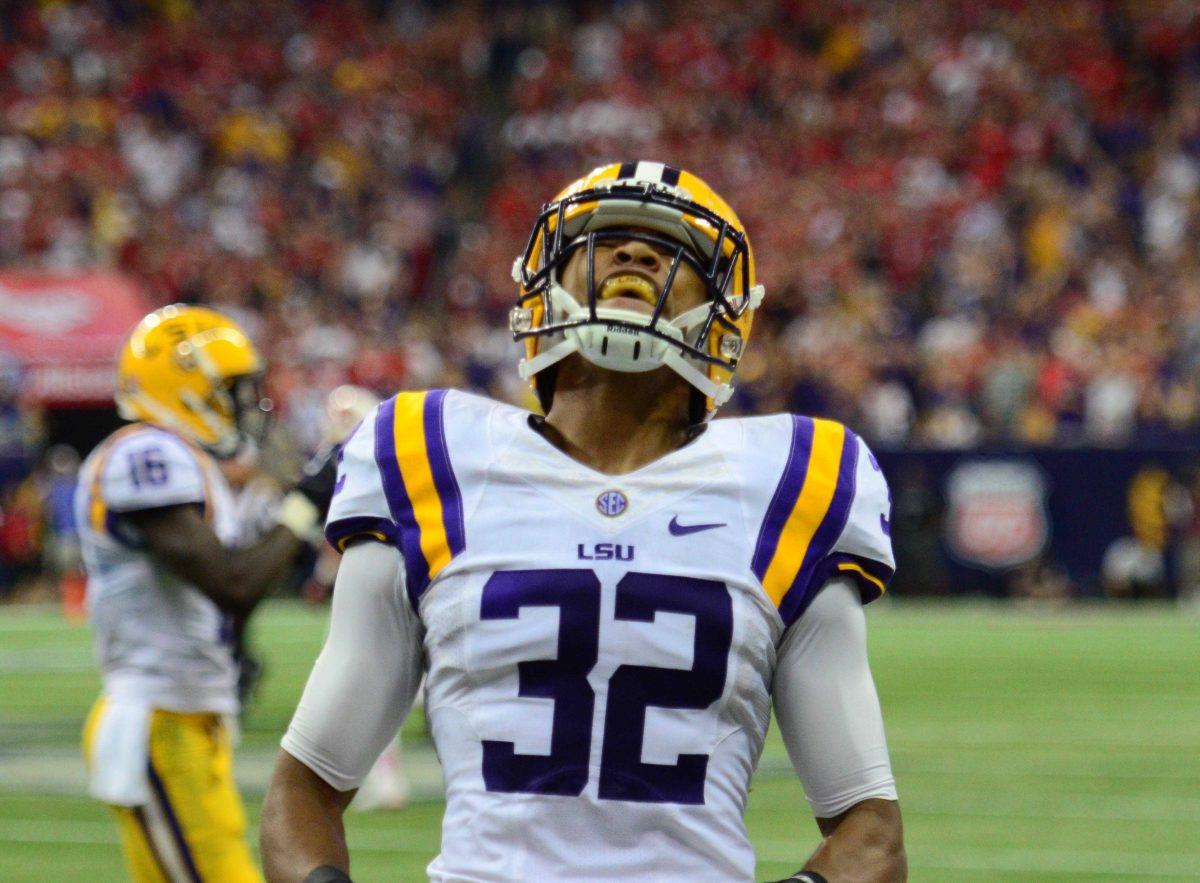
(682, 530)
(885, 525)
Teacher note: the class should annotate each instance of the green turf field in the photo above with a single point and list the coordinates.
(1029, 745)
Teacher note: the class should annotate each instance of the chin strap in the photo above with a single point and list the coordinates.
(547, 357)
(681, 326)
(720, 393)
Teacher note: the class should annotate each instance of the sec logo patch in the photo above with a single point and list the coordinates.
(612, 503)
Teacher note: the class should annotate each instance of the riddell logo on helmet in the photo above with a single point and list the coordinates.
(620, 329)
(655, 186)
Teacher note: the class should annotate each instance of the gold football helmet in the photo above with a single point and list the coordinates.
(670, 209)
(193, 371)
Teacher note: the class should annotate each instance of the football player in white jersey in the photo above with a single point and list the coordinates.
(607, 601)
(158, 530)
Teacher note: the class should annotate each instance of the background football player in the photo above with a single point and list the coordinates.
(158, 527)
(606, 600)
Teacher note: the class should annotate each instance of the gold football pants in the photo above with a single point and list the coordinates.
(193, 828)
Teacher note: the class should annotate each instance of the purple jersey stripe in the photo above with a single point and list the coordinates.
(831, 566)
(415, 566)
(875, 569)
(786, 493)
(799, 595)
(140, 815)
(338, 532)
(173, 820)
(443, 472)
(120, 531)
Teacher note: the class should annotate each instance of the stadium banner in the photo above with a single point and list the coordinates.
(65, 330)
(1045, 523)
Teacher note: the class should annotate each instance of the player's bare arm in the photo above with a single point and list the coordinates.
(866, 842)
(302, 826)
(361, 687)
(180, 539)
(235, 579)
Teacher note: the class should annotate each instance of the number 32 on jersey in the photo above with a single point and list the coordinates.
(631, 688)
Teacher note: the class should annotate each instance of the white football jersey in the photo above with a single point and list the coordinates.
(158, 639)
(600, 649)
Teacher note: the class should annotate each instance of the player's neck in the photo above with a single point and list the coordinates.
(617, 422)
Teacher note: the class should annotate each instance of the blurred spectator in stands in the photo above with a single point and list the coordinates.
(1041, 580)
(57, 477)
(21, 429)
(976, 222)
(21, 534)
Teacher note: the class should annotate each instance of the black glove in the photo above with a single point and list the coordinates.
(804, 877)
(319, 476)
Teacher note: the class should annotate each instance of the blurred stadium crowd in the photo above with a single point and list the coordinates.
(976, 221)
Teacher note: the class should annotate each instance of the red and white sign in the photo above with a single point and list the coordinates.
(66, 330)
(997, 516)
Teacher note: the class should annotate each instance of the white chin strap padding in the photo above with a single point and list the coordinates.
(620, 348)
(612, 346)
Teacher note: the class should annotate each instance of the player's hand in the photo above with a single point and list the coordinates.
(318, 478)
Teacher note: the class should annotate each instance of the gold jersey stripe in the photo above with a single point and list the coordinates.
(812, 504)
(412, 456)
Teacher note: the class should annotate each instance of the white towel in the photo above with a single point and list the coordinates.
(121, 754)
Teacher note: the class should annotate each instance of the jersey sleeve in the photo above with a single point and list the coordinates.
(360, 505)
(828, 515)
(864, 548)
(148, 470)
(397, 483)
